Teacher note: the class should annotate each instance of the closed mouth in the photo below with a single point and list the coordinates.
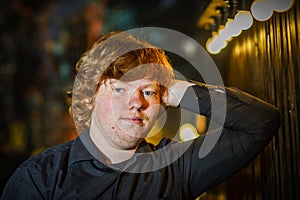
(136, 120)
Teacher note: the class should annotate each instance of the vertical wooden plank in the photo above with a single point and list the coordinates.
(265, 62)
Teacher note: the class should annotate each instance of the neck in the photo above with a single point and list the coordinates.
(112, 153)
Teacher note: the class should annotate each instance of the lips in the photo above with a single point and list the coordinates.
(135, 120)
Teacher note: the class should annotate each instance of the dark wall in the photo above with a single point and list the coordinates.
(264, 61)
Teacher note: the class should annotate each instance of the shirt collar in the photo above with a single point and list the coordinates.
(84, 149)
(78, 150)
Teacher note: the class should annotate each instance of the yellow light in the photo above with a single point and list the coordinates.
(243, 19)
(215, 45)
(209, 47)
(188, 132)
(261, 10)
(249, 45)
(237, 50)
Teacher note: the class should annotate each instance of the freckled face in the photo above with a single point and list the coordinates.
(126, 111)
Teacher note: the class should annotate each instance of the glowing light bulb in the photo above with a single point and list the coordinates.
(233, 28)
(187, 132)
(261, 10)
(212, 46)
(225, 35)
(219, 42)
(243, 19)
(281, 5)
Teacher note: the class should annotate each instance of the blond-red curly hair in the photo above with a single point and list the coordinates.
(114, 56)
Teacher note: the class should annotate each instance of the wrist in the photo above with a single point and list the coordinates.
(176, 91)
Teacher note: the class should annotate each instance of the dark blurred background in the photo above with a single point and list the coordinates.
(41, 41)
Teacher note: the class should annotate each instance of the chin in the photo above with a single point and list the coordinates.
(131, 145)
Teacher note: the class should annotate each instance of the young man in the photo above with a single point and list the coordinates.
(117, 98)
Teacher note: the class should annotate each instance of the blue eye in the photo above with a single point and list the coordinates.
(119, 90)
(148, 93)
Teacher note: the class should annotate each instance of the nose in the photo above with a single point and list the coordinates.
(137, 101)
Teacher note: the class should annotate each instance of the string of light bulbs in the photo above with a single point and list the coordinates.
(260, 10)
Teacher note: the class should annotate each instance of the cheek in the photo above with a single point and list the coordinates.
(105, 103)
(107, 111)
(154, 110)
(103, 109)
(117, 105)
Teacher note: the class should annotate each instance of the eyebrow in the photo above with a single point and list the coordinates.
(150, 85)
(147, 84)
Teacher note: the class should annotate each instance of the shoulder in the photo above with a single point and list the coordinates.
(50, 158)
(38, 173)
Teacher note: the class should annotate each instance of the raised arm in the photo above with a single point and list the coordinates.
(249, 125)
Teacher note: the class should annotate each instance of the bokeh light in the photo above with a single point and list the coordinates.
(281, 5)
(243, 19)
(261, 10)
